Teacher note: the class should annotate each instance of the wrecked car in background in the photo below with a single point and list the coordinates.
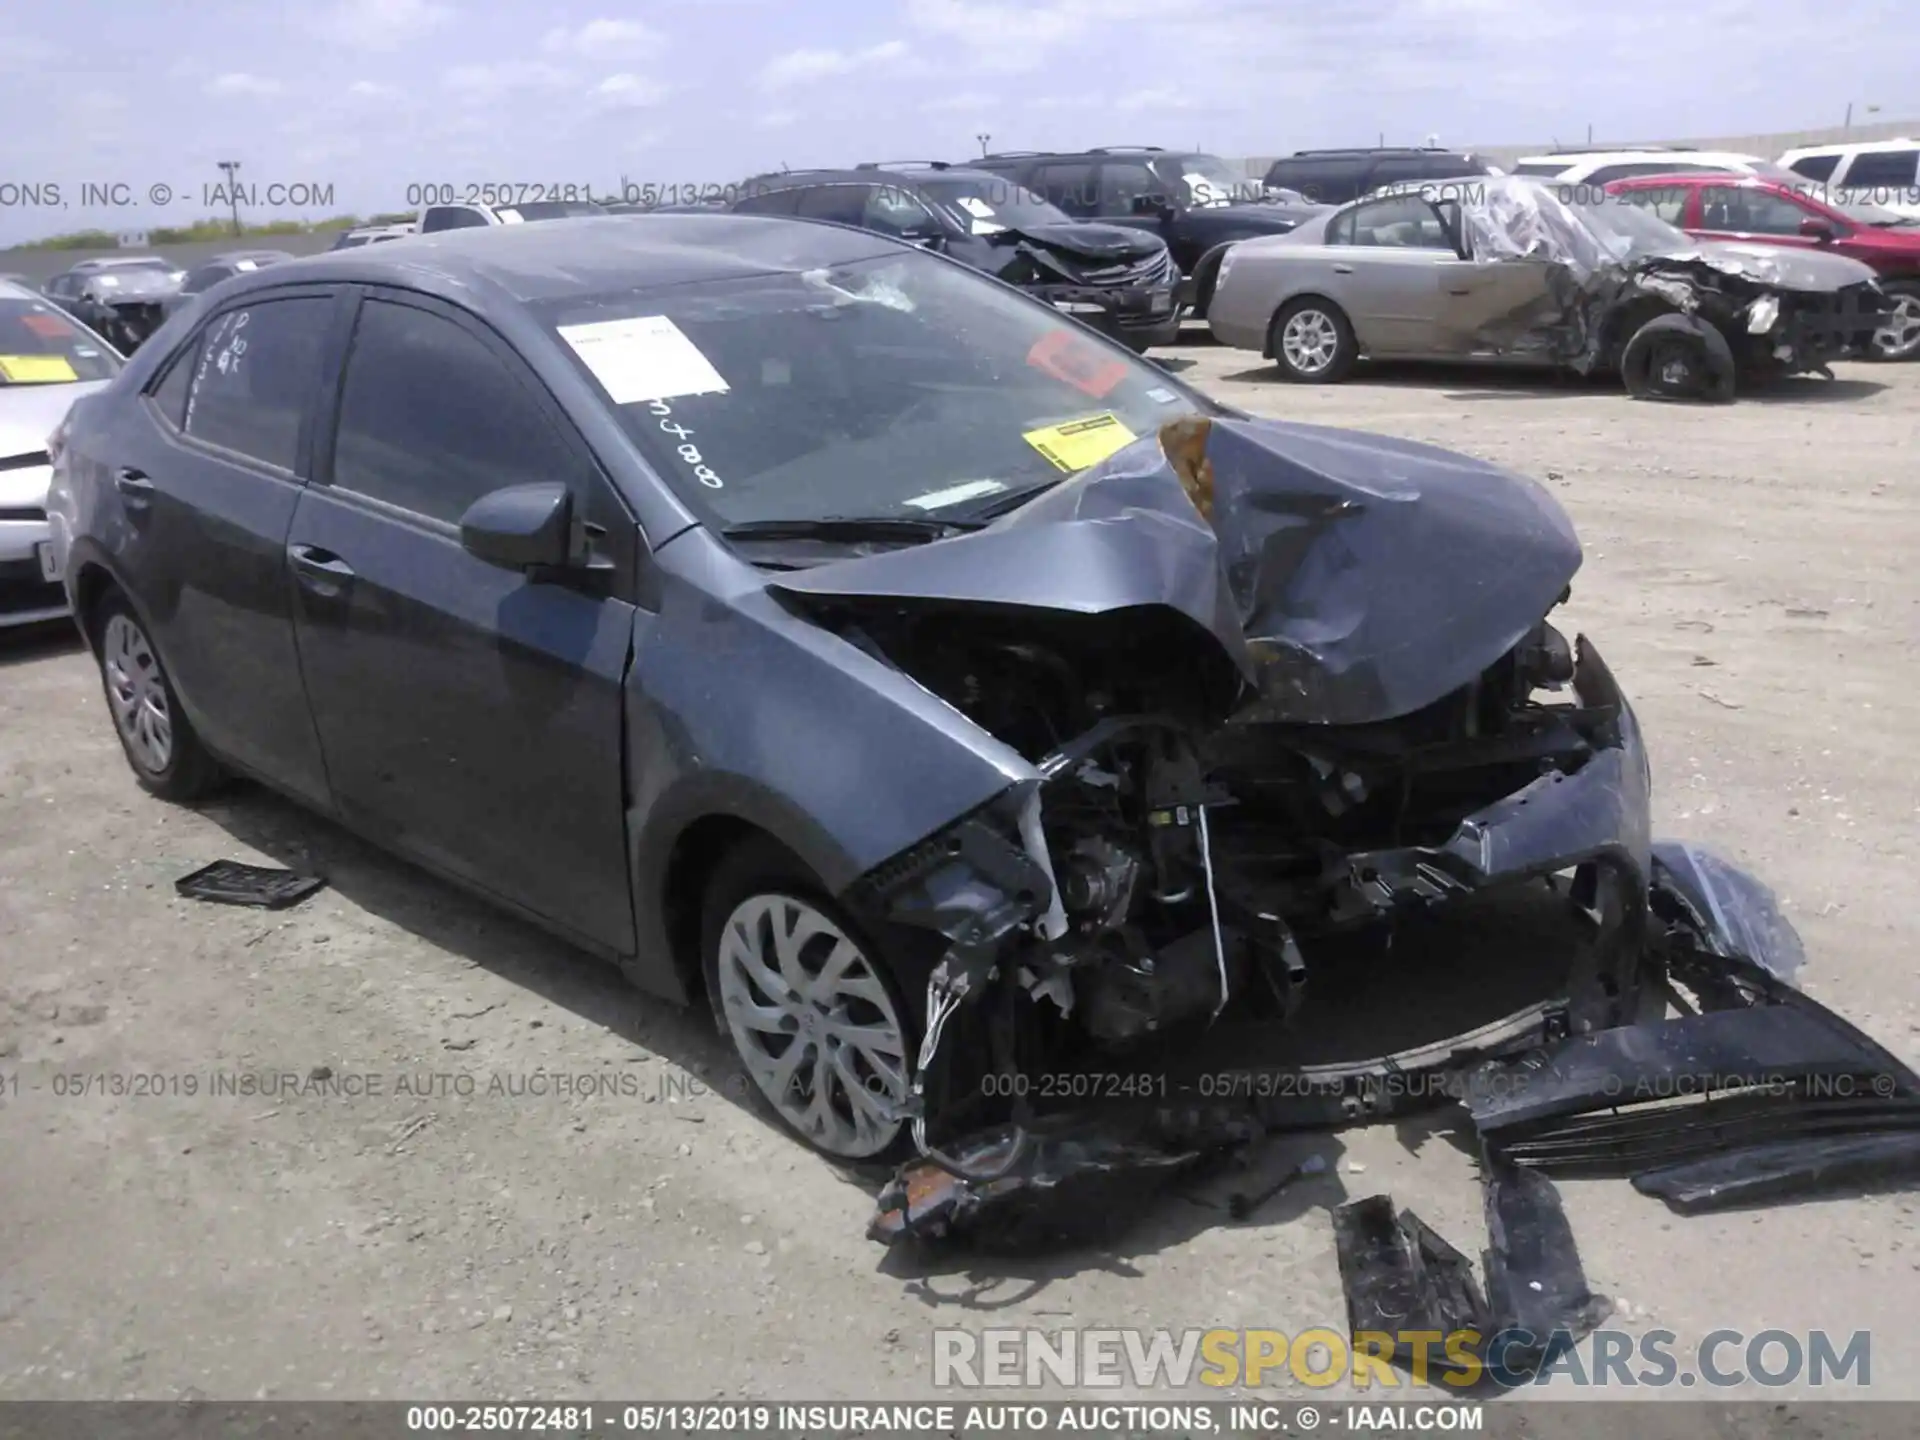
(1526, 272)
(122, 298)
(1117, 280)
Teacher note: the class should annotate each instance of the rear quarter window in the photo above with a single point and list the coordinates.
(1815, 167)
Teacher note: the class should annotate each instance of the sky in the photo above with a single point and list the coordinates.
(372, 97)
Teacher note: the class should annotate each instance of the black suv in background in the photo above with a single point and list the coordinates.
(1196, 202)
(1118, 280)
(1334, 177)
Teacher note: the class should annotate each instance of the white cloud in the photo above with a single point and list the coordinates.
(238, 82)
(498, 79)
(800, 67)
(777, 119)
(599, 39)
(22, 52)
(630, 90)
(370, 90)
(1161, 98)
(381, 24)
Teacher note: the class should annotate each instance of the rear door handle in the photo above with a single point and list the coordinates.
(320, 571)
(1343, 269)
(1464, 291)
(132, 483)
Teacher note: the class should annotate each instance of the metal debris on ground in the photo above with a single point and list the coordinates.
(263, 887)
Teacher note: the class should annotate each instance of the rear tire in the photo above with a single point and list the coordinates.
(165, 754)
(813, 1009)
(1312, 342)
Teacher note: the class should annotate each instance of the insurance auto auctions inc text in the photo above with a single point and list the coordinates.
(1321, 1357)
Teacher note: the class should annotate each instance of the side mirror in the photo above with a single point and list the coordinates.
(1814, 228)
(523, 527)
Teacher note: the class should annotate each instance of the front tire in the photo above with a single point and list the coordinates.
(1899, 338)
(1312, 342)
(813, 1011)
(158, 740)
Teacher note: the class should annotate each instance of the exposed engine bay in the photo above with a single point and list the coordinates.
(1272, 686)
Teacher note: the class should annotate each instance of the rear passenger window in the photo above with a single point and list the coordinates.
(1815, 167)
(1885, 169)
(431, 419)
(255, 377)
(768, 202)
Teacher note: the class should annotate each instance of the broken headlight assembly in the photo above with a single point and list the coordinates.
(1763, 314)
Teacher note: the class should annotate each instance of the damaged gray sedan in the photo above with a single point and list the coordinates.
(834, 636)
(1516, 271)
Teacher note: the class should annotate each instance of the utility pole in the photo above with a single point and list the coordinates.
(228, 168)
(983, 139)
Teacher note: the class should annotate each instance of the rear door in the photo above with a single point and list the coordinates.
(210, 465)
(470, 716)
(1069, 184)
(842, 204)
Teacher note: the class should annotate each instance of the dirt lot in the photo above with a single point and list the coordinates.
(459, 1228)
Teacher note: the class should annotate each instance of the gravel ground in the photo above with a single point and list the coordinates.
(449, 1222)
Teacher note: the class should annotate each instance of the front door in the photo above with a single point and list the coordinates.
(470, 715)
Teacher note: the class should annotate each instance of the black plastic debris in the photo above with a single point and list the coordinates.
(1535, 1283)
(1784, 1170)
(228, 882)
(1401, 1278)
(1773, 1097)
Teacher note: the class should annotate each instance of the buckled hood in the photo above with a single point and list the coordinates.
(1350, 577)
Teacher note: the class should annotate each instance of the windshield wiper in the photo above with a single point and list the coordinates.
(1010, 500)
(849, 527)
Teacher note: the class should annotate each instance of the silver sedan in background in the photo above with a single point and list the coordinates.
(47, 361)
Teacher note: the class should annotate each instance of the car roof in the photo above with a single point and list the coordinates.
(1614, 157)
(558, 259)
(864, 175)
(1849, 147)
(111, 262)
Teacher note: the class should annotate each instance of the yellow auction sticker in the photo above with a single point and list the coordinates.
(1080, 443)
(37, 369)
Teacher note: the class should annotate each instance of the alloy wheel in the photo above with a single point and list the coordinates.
(138, 694)
(1899, 338)
(816, 1028)
(1309, 340)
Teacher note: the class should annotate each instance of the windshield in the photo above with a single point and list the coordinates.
(1209, 180)
(1629, 230)
(41, 346)
(131, 280)
(984, 206)
(903, 387)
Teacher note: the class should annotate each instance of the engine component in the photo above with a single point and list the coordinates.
(1131, 995)
(1097, 883)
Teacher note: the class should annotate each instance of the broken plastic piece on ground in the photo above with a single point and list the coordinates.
(228, 882)
(1071, 1177)
(1785, 1169)
(1535, 1282)
(1401, 1278)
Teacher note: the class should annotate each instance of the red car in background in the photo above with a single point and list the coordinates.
(1767, 211)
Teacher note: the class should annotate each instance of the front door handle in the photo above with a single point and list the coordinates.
(1343, 269)
(1463, 290)
(321, 571)
(132, 483)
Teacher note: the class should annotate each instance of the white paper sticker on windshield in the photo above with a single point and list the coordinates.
(985, 227)
(1161, 395)
(511, 217)
(246, 264)
(977, 207)
(108, 282)
(954, 494)
(644, 358)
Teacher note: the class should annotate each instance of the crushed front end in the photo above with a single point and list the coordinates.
(1283, 751)
(1130, 297)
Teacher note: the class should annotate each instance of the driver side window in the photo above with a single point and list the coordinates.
(1401, 222)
